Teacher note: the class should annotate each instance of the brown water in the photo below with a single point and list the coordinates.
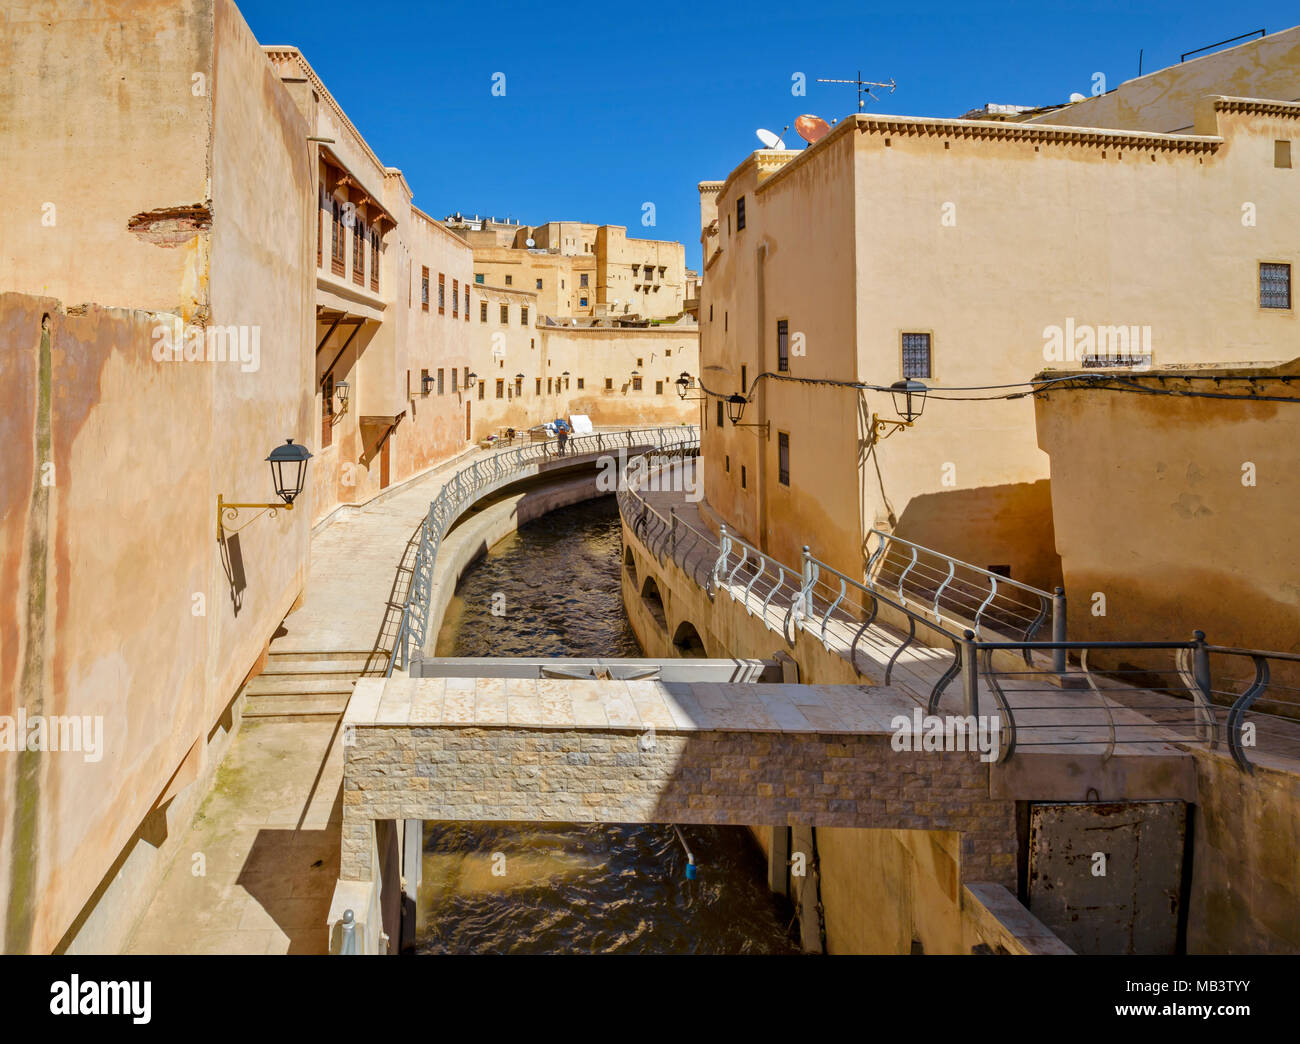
(580, 888)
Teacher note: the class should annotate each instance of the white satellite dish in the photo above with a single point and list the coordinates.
(769, 140)
(1076, 96)
(530, 242)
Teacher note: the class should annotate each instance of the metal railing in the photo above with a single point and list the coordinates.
(471, 483)
(1097, 695)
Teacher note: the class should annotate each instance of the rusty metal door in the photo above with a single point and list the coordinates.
(1107, 877)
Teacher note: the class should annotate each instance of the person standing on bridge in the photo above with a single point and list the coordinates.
(562, 433)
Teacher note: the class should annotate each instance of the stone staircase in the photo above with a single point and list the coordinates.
(306, 686)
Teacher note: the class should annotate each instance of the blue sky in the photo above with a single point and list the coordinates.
(605, 109)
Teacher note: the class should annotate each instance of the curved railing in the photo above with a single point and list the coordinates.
(470, 483)
(1068, 696)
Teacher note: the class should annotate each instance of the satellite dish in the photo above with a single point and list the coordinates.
(811, 128)
(1076, 96)
(769, 140)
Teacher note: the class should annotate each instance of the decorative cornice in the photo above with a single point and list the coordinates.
(923, 126)
(1261, 106)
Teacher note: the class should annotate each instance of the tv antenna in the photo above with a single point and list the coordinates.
(864, 87)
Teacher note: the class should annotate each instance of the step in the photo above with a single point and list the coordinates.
(327, 684)
(285, 666)
(348, 655)
(288, 708)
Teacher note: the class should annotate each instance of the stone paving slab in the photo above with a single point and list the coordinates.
(563, 703)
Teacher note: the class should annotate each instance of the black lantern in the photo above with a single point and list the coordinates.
(909, 399)
(736, 407)
(288, 473)
(683, 385)
(289, 469)
(426, 382)
(519, 376)
(341, 389)
(471, 379)
(565, 373)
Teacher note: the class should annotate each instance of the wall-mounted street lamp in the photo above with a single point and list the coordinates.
(341, 390)
(471, 379)
(426, 382)
(685, 384)
(288, 473)
(909, 404)
(736, 409)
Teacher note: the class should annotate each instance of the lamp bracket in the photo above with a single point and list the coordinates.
(229, 512)
(882, 429)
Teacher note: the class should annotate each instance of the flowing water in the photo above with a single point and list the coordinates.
(579, 888)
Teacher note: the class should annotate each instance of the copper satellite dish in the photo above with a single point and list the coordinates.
(811, 128)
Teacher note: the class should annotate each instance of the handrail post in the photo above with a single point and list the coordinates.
(672, 532)
(970, 678)
(1201, 676)
(348, 944)
(807, 599)
(1058, 629)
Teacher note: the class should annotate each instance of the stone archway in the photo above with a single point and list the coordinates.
(687, 641)
(654, 602)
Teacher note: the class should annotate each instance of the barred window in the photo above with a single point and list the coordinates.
(916, 355)
(783, 457)
(505, 314)
(1274, 285)
(783, 345)
(740, 213)
(424, 289)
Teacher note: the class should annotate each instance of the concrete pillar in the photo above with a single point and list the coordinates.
(778, 860)
(805, 890)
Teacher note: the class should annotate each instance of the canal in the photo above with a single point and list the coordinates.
(552, 589)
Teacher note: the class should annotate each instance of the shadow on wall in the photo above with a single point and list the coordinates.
(1008, 526)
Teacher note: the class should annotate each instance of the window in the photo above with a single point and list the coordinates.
(549, 382)
(1281, 154)
(726, 321)
(710, 313)
(441, 387)
(519, 387)
(482, 385)
(327, 411)
(640, 363)
(1274, 285)
(424, 383)
(659, 387)
(783, 457)
(455, 298)
(442, 294)
(424, 289)
(744, 380)
(636, 383)
(510, 280)
(582, 302)
(916, 355)
(582, 280)
(374, 259)
(581, 384)
(320, 229)
(783, 345)
(478, 278)
(726, 463)
(721, 414)
(501, 388)
(744, 477)
(609, 383)
(505, 314)
(466, 302)
(482, 312)
(538, 390)
(539, 284)
(740, 213)
(455, 374)
(358, 251)
(523, 316)
(336, 238)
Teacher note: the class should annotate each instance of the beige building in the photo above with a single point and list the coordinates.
(173, 313)
(969, 255)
